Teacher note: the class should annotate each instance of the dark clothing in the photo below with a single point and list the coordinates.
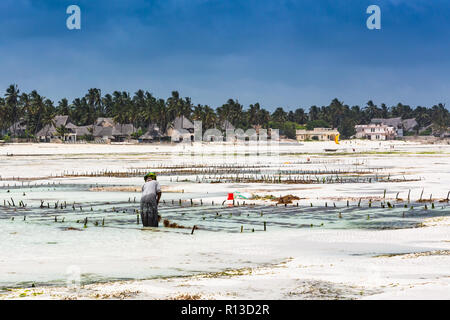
(149, 211)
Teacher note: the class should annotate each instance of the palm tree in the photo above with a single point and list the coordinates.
(139, 108)
(233, 112)
(198, 113)
(210, 117)
(123, 106)
(384, 111)
(264, 118)
(150, 111)
(24, 101)
(336, 113)
(440, 117)
(300, 116)
(94, 105)
(422, 117)
(3, 116)
(402, 110)
(37, 112)
(252, 113)
(313, 113)
(107, 102)
(372, 110)
(177, 106)
(224, 112)
(63, 107)
(279, 115)
(357, 115)
(12, 105)
(47, 120)
(62, 131)
(77, 114)
(206, 115)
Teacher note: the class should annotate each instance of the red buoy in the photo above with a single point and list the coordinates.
(230, 196)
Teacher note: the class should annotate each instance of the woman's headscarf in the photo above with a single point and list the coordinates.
(151, 175)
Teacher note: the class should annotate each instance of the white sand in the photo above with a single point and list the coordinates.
(316, 263)
(430, 163)
(319, 265)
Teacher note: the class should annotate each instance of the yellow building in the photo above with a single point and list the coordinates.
(320, 134)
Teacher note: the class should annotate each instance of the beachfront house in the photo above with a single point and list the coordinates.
(375, 132)
(227, 126)
(123, 132)
(441, 132)
(61, 129)
(446, 134)
(320, 134)
(105, 122)
(103, 130)
(107, 130)
(84, 132)
(400, 125)
(181, 129)
(18, 129)
(152, 134)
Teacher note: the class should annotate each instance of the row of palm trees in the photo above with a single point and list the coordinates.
(35, 110)
(142, 108)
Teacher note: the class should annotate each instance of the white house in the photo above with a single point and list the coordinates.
(375, 131)
(400, 125)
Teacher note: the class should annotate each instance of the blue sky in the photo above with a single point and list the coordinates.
(287, 53)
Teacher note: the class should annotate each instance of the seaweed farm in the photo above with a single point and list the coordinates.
(208, 216)
(98, 220)
(83, 210)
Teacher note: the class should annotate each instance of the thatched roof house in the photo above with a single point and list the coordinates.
(227, 125)
(18, 128)
(103, 129)
(105, 122)
(181, 129)
(153, 133)
(50, 131)
(107, 129)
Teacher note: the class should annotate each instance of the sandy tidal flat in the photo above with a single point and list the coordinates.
(318, 247)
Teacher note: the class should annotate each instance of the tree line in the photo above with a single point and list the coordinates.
(142, 108)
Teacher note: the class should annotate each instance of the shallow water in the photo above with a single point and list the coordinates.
(37, 249)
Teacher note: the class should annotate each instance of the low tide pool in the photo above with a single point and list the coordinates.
(100, 233)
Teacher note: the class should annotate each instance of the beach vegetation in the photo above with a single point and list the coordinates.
(23, 114)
